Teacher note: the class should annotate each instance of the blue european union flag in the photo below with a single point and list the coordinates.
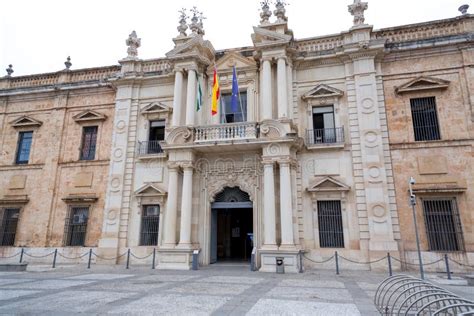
(235, 92)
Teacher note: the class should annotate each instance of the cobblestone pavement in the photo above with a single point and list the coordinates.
(215, 290)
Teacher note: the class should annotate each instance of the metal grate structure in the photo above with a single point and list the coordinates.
(150, 224)
(331, 234)
(76, 226)
(407, 295)
(9, 222)
(325, 136)
(149, 147)
(425, 119)
(443, 225)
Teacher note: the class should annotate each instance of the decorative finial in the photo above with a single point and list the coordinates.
(463, 9)
(357, 10)
(133, 42)
(266, 12)
(68, 63)
(280, 11)
(9, 70)
(200, 24)
(182, 27)
(194, 25)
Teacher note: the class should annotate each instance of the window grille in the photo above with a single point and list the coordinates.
(425, 119)
(9, 222)
(24, 146)
(331, 234)
(150, 225)
(443, 225)
(89, 141)
(76, 226)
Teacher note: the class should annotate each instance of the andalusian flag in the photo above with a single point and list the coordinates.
(199, 94)
(215, 93)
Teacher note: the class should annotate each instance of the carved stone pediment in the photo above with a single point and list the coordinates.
(150, 189)
(196, 47)
(231, 59)
(156, 108)
(422, 83)
(11, 200)
(87, 116)
(264, 37)
(328, 184)
(322, 91)
(26, 121)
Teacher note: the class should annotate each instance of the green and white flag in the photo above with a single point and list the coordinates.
(199, 94)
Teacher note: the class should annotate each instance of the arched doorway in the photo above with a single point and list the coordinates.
(231, 226)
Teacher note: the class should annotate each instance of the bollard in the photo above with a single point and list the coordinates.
(21, 254)
(195, 263)
(448, 271)
(54, 258)
(390, 272)
(280, 265)
(301, 262)
(153, 261)
(128, 259)
(90, 258)
(337, 263)
(252, 260)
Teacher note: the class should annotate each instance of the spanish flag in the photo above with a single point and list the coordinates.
(216, 93)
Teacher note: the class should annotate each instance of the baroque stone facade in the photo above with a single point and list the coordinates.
(327, 132)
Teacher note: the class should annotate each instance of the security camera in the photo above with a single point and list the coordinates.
(412, 181)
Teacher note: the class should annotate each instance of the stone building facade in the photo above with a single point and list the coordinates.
(315, 158)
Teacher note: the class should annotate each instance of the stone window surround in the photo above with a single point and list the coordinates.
(407, 102)
(226, 88)
(33, 127)
(98, 144)
(72, 204)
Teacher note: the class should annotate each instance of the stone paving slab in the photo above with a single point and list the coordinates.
(9, 294)
(134, 286)
(100, 276)
(300, 293)
(285, 307)
(232, 280)
(312, 283)
(167, 278)
(47, 284)
(4, 282)
(211, 288)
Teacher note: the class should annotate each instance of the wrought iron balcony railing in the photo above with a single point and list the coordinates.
(325, 136)
(231, 131)
(151, 147)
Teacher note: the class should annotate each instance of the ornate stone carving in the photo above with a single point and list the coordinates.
(272, 129)
(245, 178)
(196, 24)
(357, 10)
(133, 42)
(280, 11)
(266, 12)
(9, 70)
(183, 26)
(68, 63)
(180, 135)
(463, 9)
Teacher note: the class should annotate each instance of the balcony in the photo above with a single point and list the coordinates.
(152, 147)
(327, 137)
(226, 132)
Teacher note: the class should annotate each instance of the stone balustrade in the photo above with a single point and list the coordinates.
(232, 131)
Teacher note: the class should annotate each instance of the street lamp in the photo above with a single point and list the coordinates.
(411, 182)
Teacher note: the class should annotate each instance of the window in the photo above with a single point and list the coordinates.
(230, 114)
(324, 130)
(76, 226)
(9, 222)
(425, 119)
(331, 234)
(443, 225)
(89, 140)
(24, 146)
(157, 134)
(149, 226)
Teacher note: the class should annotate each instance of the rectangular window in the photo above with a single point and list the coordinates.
(425, 119)
(443, 225)
(76, 226)
(331, 233)
(149, 226)
(157, 134)
(324, 129)
(89, 140)
(233, 114)
(24, 146)
(9, 221)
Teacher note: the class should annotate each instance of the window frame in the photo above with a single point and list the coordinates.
(18, 147)
(339, 240)
(3, 225)
(424, 133)
(147, 219)
(222, 113)
(67, 238)
(82, 157)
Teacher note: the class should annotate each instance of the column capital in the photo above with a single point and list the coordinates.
(287, 161)
(187, 166)
(268, 162)
(178, 69)
(173, 166)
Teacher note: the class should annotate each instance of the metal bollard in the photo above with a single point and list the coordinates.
(90, 258)
(280, 265)
(128, 259)
(153, 261)
(21, 254)
(301, 261)
(448, 271)
(253, 263)
(54, 258)
(390, 272)
(195, 259)
(337, 263)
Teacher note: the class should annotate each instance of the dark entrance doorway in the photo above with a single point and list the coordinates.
(231, 226)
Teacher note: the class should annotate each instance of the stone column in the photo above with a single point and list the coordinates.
(177, 99)
(169, 239)
(267, 107)
(191, 98)
(269, 222)
(286, 208)
(282, 88)
(186, 208)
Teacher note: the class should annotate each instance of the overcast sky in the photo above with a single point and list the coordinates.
(36, 36)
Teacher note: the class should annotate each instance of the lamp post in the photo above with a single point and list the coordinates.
(411, 182)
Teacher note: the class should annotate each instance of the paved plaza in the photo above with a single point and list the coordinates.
(215, 290)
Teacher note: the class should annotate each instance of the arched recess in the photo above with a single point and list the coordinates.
(232, 197)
